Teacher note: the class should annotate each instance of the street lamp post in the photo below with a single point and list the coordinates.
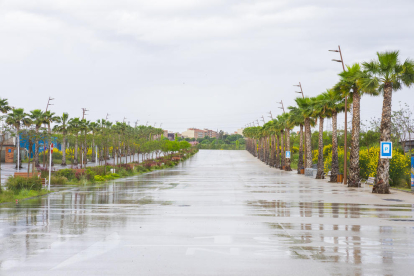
(281, 102)
(301, 91)
(346, 112)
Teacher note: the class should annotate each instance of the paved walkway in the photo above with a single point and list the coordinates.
(218, 213)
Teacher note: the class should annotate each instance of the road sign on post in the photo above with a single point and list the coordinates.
(386, 150)
(287, 154)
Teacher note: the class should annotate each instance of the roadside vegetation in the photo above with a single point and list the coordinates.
(221, 142)
(115, 149)
(379, 77)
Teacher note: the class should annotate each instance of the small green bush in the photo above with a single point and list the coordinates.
(98, 178)
(57, 179)
(16, 184)
(115, 175)
(68, 173)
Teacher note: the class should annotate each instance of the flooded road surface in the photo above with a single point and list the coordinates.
(218, 213)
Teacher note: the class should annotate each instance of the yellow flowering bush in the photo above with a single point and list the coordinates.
(368, 161)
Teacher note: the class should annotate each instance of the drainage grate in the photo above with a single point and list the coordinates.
(402, 219)
(392, 199)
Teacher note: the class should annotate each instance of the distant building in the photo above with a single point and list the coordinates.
(199, 133)
(171, 136)
(239, 131)
(165, 133)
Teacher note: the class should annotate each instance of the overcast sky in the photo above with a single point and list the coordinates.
(215, 64)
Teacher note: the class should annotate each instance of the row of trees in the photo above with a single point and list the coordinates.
(380, 76)
(79, 136)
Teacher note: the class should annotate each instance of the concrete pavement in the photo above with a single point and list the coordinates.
(218, 213)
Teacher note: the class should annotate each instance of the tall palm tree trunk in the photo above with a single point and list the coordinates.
(36, 153)
(382, 184)
(300, 161)
(75, 159)
(93, 157)
(282, 149)
(354, 178)
(63, 147)
(277, 163)
(288, 168)
(335, 163)
(267, 150)
(308, 163)
(320, 151)
(273, 152)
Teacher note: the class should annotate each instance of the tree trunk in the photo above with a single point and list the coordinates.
(277, 163)
(300, 161)
(36, 155)
(288, 168)
(63, 147)
(382, 181)
(75, 159)
(320, 151)
(273, 152)
(335, 163)
(308, 163)
(354, 178)
(93, 157)
(282, 150)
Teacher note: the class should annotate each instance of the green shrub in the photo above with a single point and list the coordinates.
(57, 179)
(90, 174)
(16, 184)
(68, 173)
(98, 178)
(115, 175)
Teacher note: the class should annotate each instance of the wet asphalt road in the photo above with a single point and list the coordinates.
(218, 213)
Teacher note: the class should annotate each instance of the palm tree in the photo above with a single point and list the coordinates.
(49, 118)
(63, 128)
(391, 75)
(320, 111)
(350, 85)
(4, 108)
(334, 103)
(74, 128)
(37, 117)
(306, 105)
(278, 127)
(296, 118)
(16, 118)
(282, 123)
(288, 125)
(84, 127)
(94, 128)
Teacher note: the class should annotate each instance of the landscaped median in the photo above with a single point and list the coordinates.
(27, 187)
(18, 188)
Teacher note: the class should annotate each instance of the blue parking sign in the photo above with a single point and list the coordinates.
(412, 173)
(287, 154)
(386, 150)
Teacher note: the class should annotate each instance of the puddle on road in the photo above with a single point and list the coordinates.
(351, 240)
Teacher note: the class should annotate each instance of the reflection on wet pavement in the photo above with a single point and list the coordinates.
(218, 213)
